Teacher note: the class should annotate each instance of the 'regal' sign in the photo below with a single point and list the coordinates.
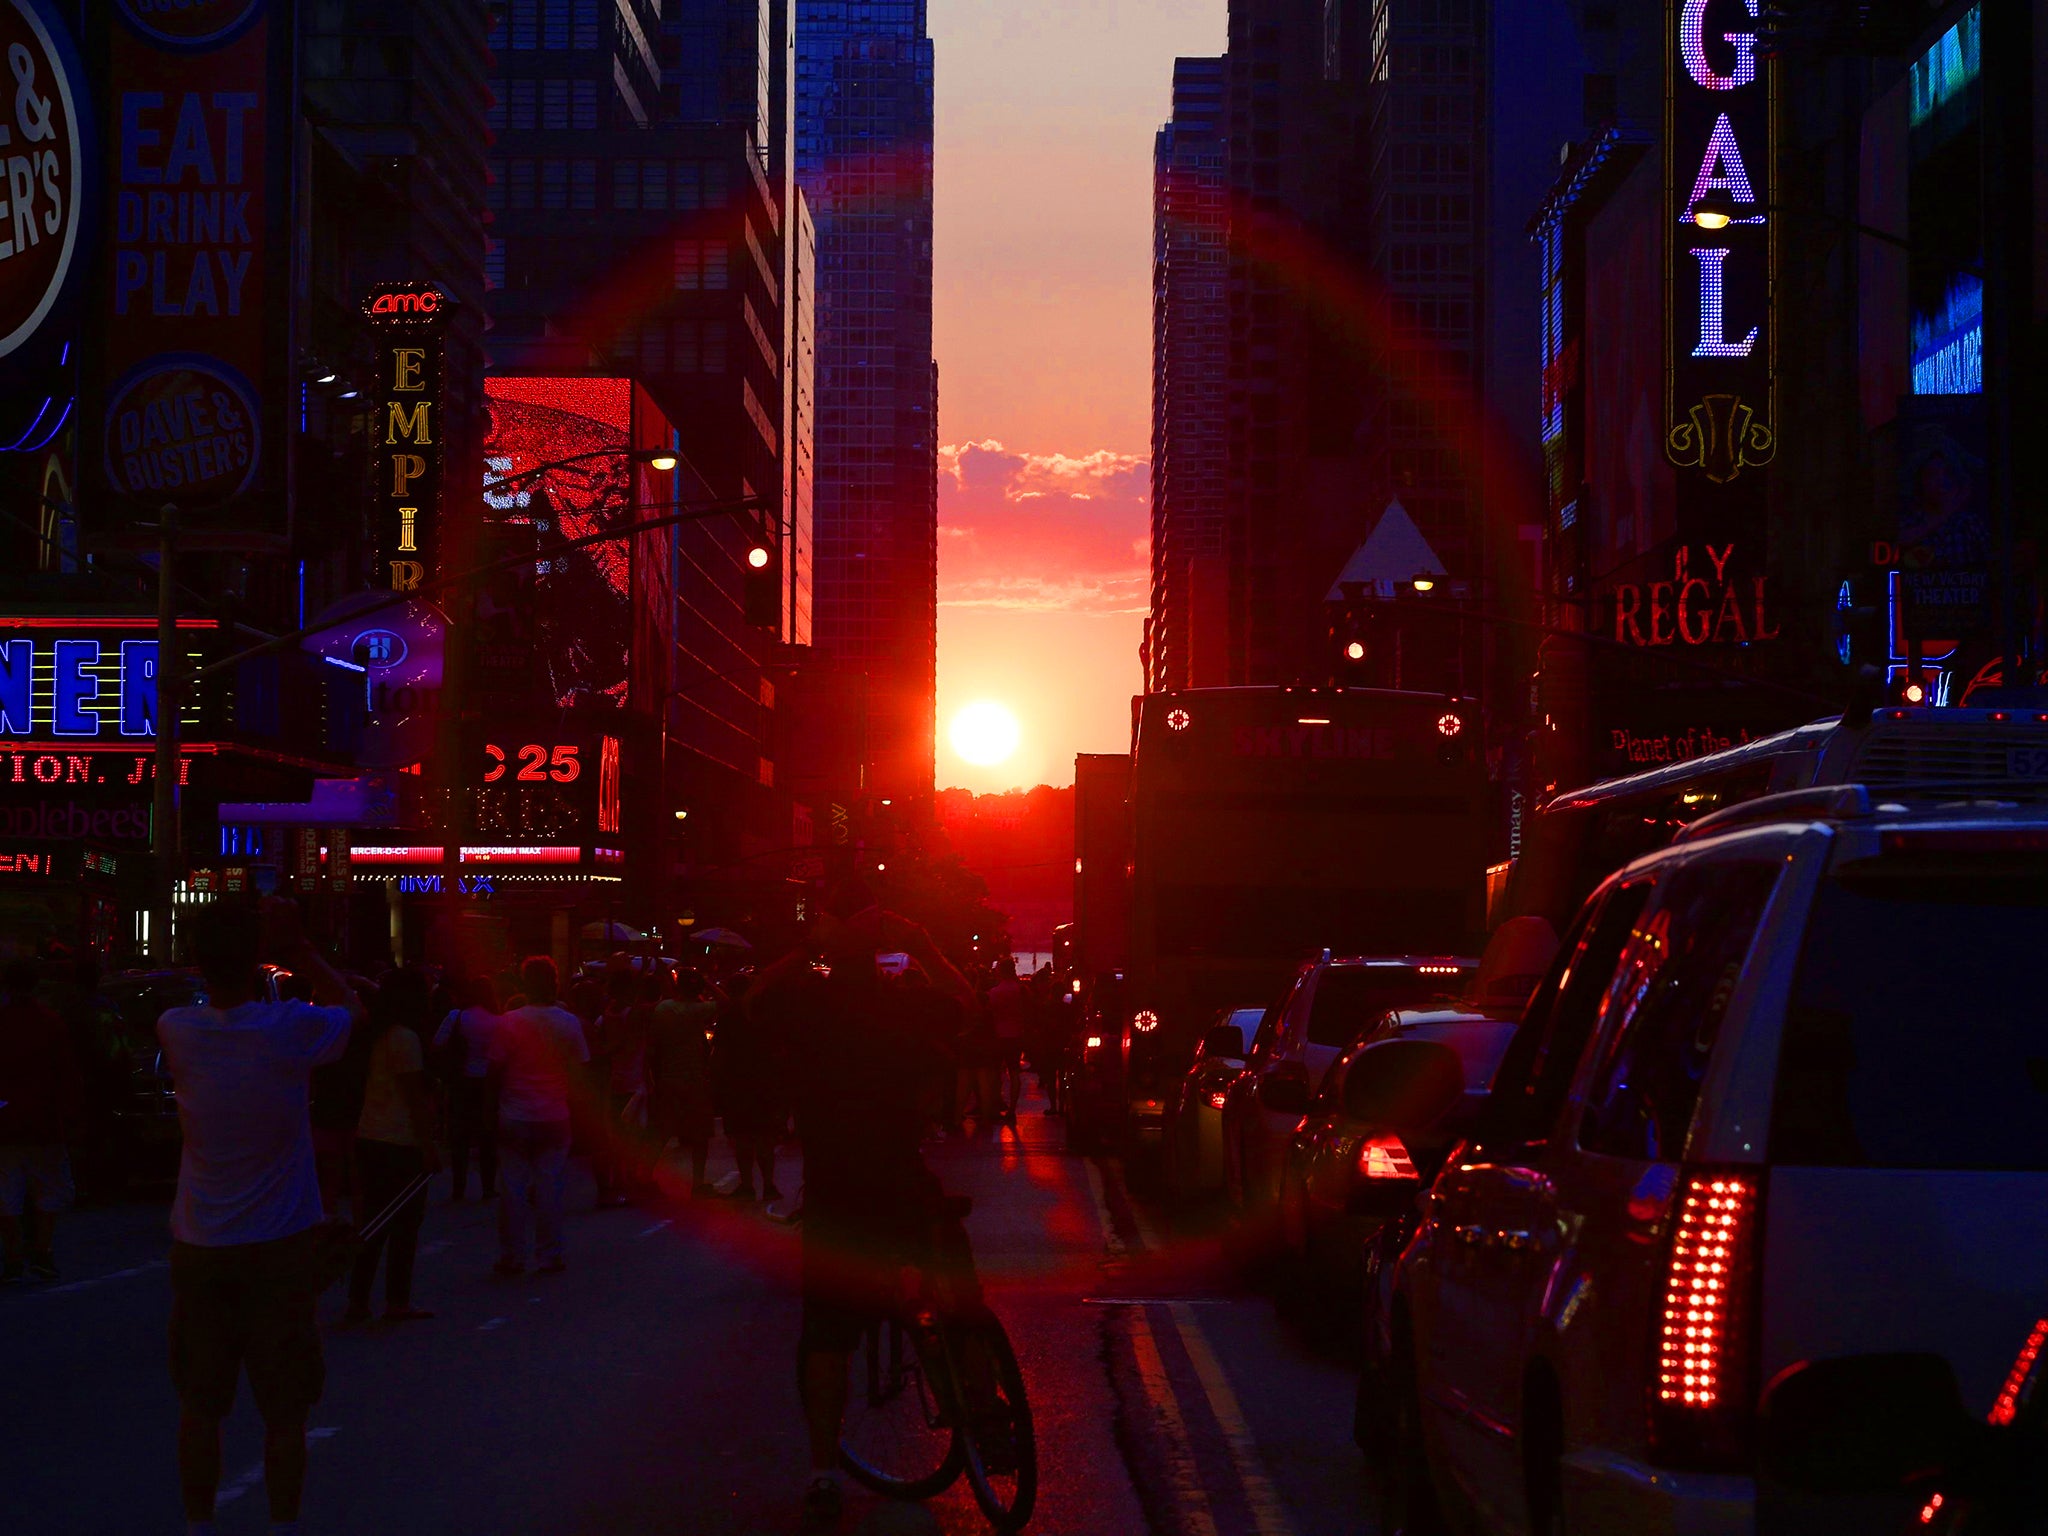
(1719, 154)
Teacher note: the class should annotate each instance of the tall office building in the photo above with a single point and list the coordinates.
(645, 229)
(1186, 628)
(864, 158)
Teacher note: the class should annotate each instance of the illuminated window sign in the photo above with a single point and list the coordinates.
(1720, 342)
(398, 853)
(534, 853)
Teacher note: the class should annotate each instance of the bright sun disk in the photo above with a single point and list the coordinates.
(984, 733)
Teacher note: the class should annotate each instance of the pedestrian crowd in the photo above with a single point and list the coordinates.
(302, 1094)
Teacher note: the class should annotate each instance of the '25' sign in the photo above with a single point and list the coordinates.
(537, 764)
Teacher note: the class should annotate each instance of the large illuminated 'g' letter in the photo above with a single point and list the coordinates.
(1692, 47)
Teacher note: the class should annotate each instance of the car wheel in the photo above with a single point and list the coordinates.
(1408, 1504)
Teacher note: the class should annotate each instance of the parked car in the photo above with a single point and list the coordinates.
(1329, 1003)
(1780, 1100)
(1194, 1135)
(1348, 1183)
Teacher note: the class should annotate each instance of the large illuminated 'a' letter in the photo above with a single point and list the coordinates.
(1692, 47)
(1721, 167)
(1713, 323)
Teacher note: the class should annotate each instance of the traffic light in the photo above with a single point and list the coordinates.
(763, 585)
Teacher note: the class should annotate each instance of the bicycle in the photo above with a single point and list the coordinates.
(936, 1392)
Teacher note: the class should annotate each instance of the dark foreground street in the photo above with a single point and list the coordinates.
(650, 1389)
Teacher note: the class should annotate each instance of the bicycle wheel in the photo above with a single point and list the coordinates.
(995, 1428)
(898, 1436)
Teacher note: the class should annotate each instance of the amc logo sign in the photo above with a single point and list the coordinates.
(405, 303)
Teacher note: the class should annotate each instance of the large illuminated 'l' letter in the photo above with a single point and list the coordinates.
(1713, 323)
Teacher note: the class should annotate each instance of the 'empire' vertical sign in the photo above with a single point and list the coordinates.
(407, 432)
(1720, 341)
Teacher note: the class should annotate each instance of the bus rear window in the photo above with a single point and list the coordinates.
(1917, 1037)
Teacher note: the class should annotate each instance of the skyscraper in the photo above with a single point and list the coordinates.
(864, 158)
(1186, 627)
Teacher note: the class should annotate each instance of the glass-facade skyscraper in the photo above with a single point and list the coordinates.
(864, 159)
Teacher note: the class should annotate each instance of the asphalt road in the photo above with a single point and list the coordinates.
(650, 1389)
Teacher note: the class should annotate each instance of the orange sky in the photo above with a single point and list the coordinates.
(1043, 316)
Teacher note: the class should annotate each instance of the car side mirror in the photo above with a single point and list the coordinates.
(1224, 1040)
(1404, 1086)
(1863, 1423)
(1285, 1089)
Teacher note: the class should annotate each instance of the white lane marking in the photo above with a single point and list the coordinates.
(496, 1322)
(1268, 1513)
(252, 1477)
(87, 1284)
(659, 1226)
(1110, 1241)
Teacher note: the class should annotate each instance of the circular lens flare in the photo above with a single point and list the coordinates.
(985, 733)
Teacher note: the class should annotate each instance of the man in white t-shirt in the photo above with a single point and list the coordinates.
(242, 1273)
(534, 1053)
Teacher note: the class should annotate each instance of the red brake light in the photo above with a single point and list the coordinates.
(2007, 1407)
(1383, 1157)
(1704, 1334)
(1218, 1099)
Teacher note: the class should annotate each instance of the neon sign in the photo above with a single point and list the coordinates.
(407, 467)
(66, 681)
(1719, 150)
(1704, 603)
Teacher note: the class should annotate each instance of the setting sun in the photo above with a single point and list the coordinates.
(984, 733)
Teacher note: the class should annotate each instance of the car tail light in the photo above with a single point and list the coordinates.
(1383, 1157)
(1218, 1099)
(2007, 1407)
(1705, 1338)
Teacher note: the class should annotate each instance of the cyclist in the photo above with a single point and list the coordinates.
(860, 1054)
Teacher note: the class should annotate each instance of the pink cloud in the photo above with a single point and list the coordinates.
(1042, 531)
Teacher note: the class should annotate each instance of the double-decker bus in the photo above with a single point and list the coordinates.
(1269, 824)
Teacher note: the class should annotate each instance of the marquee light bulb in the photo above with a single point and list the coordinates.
(758, 557)
(1355, 650)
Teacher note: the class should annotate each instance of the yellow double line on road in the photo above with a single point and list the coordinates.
(1195, 1515)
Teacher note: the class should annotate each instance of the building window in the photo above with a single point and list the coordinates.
(554, 103)
(554, 184)
(521, 182)
(585, 105)
(586, 23)
(654, 184)
(701, 264)
(625, 184)
(654, 349)
(555, 25)
(494, 263)
(714, 346)
(494, 193)
(524, 17)
(689, 193)
(583, 184)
